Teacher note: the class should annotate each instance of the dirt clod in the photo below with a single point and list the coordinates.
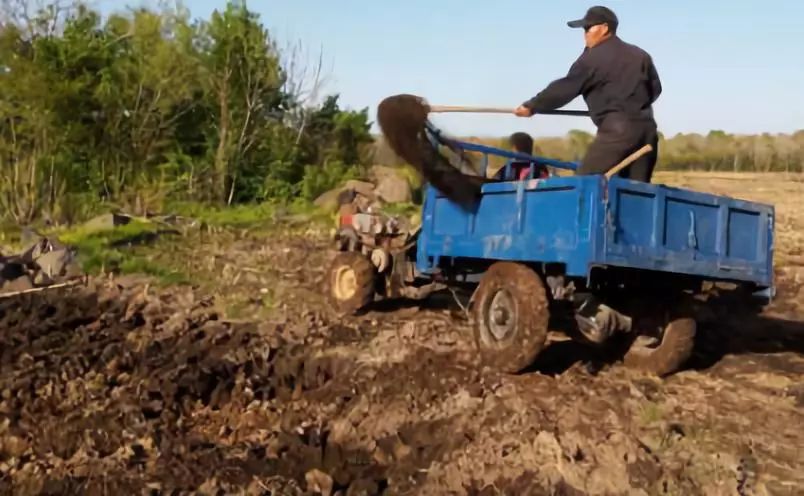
(402, 119)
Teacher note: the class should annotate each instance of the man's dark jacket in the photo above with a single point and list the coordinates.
(613, 77)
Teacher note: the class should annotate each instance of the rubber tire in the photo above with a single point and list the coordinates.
(529, 334)
(365, 278)
(678, 341)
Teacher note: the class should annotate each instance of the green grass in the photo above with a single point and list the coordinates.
(139, 247)
(93, 238)
(236, 216)
(115, 250)
(247, 216)
(164, 275)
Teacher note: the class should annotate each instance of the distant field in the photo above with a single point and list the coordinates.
(784, 191)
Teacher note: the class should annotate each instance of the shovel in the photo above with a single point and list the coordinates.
(499, 110)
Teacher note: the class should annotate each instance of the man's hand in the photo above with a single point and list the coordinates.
(523, 111)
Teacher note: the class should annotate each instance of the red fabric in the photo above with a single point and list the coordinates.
(521, 170)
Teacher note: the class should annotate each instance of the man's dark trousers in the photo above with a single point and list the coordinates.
(619, 136)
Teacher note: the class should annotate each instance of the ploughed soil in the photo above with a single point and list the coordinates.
(123, 387)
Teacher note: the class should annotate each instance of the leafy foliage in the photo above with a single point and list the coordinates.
(318, 180)
(148, 107)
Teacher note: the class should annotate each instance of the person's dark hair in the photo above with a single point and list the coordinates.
(522, 143)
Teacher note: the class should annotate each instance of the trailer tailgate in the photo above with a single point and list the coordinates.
(657, 227)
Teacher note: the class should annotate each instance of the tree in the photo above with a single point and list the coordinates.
(26, 122)
(333, 134)
(147, 105)
(244, 82)
(144, 91)
(579, 142)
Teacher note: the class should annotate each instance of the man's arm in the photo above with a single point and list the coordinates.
(562, 91)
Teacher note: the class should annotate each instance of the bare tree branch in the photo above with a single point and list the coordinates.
(303, 82)
(37, 17)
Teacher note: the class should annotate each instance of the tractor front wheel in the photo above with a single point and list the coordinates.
(511, 313)
(352, 282)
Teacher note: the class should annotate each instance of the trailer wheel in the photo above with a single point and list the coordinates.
(510, 313)
(666, 356)
(352, 281)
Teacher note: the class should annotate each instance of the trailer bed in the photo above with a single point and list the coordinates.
(586, 221)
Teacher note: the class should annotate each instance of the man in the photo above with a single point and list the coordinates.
(619, 83)
(519, 170)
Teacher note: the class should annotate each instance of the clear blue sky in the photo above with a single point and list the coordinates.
(735, 65)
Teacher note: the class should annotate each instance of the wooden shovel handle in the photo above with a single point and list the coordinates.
(630, 159)
(499, 110)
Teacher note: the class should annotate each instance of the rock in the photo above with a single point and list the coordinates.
(346, 197)
(394, 189)
(332, 198)
(107, 221)
(379, 172)
(35, 249)
(72, 269)
(329, 200)
(54, 263)
(360, 187)
(22, 283)
(42, 279)
(392, 185)
(318, 482)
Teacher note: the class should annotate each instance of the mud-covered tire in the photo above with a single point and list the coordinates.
(351, 282)
(510, 311)
(675, 348)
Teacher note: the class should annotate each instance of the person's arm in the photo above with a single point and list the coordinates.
(562, 91)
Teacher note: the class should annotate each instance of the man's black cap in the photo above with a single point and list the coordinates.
(594, 16)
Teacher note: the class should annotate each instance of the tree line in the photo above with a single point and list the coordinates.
(715, 151)
(146, 106)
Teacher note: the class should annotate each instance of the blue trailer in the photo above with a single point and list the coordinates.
(601, 255)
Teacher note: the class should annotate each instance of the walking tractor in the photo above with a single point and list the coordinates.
(596, 257)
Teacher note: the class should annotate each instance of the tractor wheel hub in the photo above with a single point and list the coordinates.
(501, 315)
(345, 283)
